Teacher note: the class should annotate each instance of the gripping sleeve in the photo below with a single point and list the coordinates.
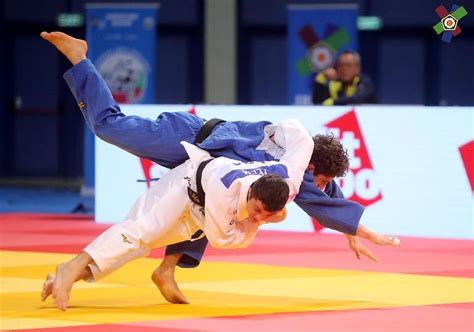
(334, 211)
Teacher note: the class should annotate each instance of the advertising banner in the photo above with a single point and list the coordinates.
(410, 166)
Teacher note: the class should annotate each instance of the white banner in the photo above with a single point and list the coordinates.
(409, 164)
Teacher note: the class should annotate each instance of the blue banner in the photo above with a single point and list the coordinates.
(122, 46)
(316, 35)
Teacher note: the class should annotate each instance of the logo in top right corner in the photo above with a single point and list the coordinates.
(448, 25)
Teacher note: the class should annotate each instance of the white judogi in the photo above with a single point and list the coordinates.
(165, 215)
(226, 184)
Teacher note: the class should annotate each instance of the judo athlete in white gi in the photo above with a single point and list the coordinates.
(158, 140)
(165, 214)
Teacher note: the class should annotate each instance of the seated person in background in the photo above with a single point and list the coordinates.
(345, 84)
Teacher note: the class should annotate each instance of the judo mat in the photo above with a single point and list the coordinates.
(285, 281)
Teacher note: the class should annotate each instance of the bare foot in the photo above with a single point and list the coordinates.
(74, 49)
(47, 287)
(62, 285)
(164, 280)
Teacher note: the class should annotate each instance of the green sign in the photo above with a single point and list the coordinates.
(70, 20)
(369, 23)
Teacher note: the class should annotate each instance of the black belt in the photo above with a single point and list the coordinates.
(199, 197)
(197, 235)
(206, 129)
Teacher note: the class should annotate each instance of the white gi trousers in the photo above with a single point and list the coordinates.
(158, 218)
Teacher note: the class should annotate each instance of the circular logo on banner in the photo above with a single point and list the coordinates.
(125, 73)
(321, 56)
(449, 23)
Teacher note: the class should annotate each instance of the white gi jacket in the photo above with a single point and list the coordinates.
(226, 183)
(164, 214)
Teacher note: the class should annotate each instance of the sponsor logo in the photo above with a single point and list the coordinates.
(125, 71)
(320, 53)
(448, 25)
(360, 184)
(467, 156)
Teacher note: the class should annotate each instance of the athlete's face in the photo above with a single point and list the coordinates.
(257, 212)
(321, 181)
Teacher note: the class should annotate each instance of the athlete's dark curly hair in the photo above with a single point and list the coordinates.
(329, 156)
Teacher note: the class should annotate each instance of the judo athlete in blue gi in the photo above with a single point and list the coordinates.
(158, 141)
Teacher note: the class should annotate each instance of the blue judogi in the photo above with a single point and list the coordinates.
(158, 140)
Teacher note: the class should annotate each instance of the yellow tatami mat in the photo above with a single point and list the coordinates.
(214, 289)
